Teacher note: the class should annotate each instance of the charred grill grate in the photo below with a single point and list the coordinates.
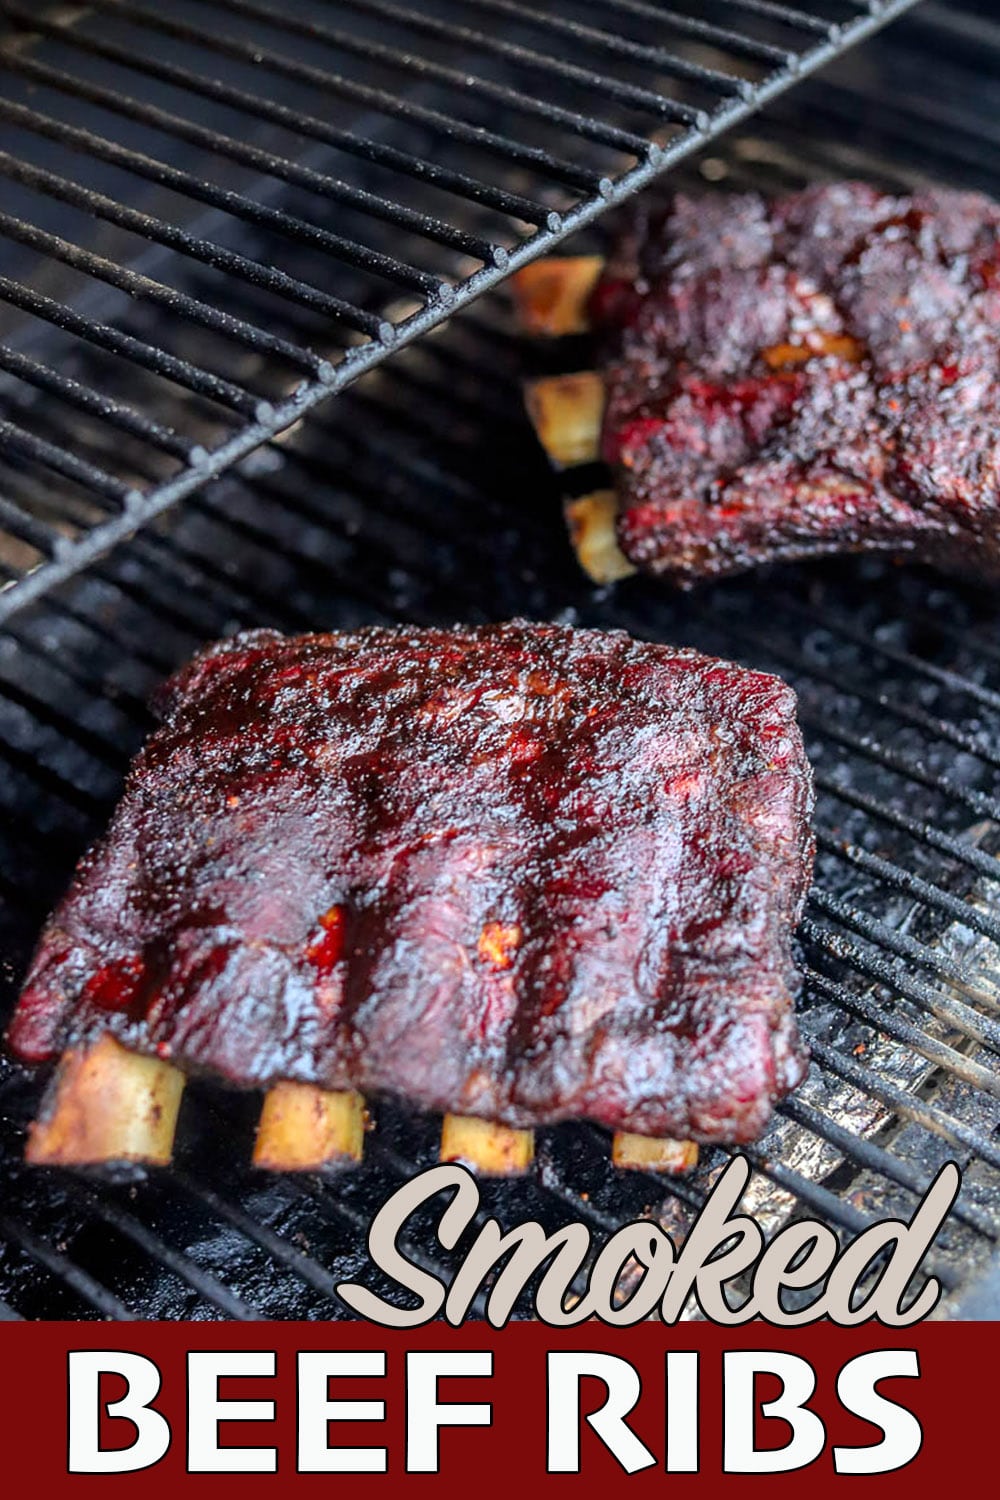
(419, 494)
(304, 189)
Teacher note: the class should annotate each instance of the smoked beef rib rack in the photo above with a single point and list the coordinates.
(520, 872)
(781, 379)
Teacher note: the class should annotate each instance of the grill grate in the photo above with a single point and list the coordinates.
(302, 193)
(420, 495)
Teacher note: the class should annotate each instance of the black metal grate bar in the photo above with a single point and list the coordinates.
(883, 1019)
(983, 865)
(584, 125)
(613, 45)
(461, 184)
(541, 62)
(86, 399)
(281, 168)
(874, 1158)
(928, 957)
(904, 1104)
(721, 36)
(303, 1265)
(797, 18)
(27, 445)
(138, 352)
(100, 1299)
(350, 252)
(136, 285)
(911, 885)
(460, 139)
(208, 1287)
(505, 147)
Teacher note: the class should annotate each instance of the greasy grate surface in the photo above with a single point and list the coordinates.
(420, 494)
(216, 213)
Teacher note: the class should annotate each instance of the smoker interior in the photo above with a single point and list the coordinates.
(215, 216)
(419, 494)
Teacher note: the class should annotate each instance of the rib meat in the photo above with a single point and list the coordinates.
(521, 871)
(810, 375)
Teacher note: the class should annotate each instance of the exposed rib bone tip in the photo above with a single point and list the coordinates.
(104, 1105)
(566, 412)
(552, 295)
(651, 1153)
(591, 523)
(303, 1128)
(491, 1149)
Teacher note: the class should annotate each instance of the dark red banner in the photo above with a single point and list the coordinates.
(226, 1409)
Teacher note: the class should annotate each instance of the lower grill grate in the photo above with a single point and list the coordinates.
(419, 494)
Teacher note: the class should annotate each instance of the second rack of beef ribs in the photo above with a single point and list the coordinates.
(522, 872)
(792, 378)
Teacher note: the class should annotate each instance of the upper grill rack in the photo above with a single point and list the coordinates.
(303, 190)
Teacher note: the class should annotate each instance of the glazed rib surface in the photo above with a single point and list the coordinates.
(521, 871)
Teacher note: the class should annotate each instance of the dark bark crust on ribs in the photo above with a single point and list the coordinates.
(521, 871)
(811, 375)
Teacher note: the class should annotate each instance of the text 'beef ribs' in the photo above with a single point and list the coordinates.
(811, 375)
(524, 872)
